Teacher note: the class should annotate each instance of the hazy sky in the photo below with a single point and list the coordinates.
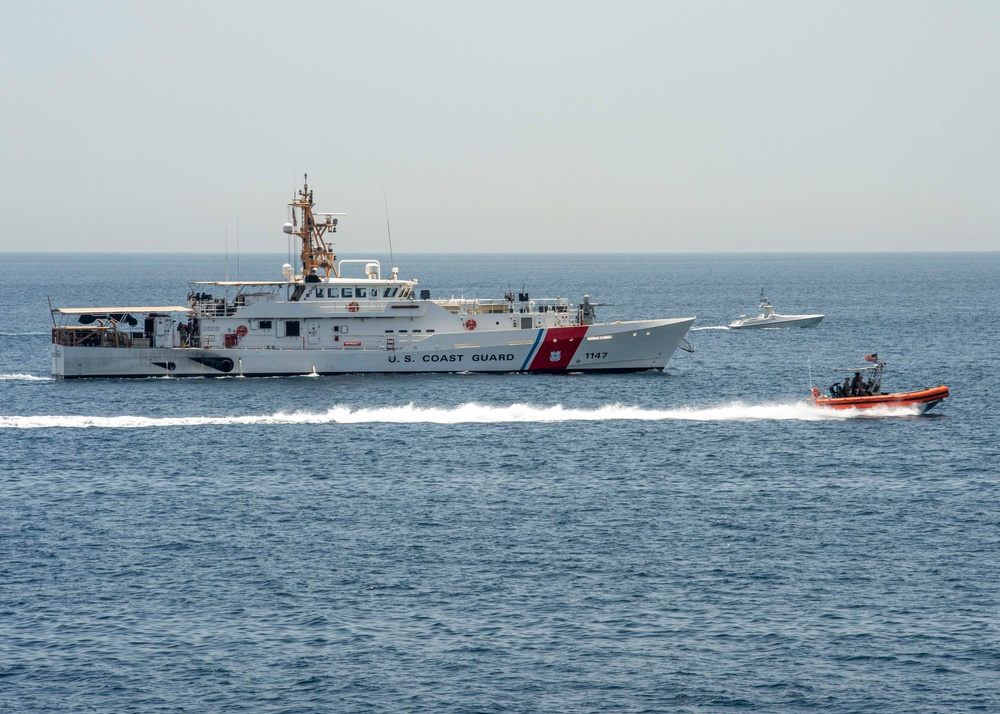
(502, 126)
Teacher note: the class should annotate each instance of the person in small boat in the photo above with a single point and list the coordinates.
(857, 388)
(835, 390)
(845, 391)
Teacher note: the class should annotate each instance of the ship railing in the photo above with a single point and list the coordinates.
(214, 308)
(500, 307)
(496, 307)
(90, 336)
(552, 305)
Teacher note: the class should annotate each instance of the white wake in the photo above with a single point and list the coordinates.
(23, 378)
(470, 413)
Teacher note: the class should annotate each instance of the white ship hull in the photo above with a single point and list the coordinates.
(611, 347)
(776, 320)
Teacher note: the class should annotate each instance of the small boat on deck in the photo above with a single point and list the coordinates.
(864, 392)
(769, 318)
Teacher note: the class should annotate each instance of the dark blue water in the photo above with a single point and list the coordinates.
(688, 541)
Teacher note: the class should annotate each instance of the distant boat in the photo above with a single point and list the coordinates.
(769, 318)
(862, 393)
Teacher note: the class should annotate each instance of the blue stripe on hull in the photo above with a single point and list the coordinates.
(531, 352)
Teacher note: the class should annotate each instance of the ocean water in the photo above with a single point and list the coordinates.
(690, 540)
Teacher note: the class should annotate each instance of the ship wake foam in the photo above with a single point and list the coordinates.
(471, 413)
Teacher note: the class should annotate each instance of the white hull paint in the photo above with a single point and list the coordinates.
(626, 346)
(776, 320)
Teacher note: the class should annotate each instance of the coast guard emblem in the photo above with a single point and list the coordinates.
(555, 356)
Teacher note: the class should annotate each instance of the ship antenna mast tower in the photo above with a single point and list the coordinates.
(317, 251)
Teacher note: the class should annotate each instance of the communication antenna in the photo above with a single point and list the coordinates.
(227, 250)
(291, 212)
(385, 198)
(291, 216)
(237, 248)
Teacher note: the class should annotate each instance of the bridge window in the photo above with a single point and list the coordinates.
(291, 328)
(263, 324)
(360, 292)
(347, 292)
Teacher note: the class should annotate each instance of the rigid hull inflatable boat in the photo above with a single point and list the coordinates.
(863, 392)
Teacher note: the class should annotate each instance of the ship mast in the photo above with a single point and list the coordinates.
(317, 253)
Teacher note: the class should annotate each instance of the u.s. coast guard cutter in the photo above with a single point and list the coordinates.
(324, 321)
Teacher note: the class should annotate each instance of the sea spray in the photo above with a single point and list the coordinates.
(470, 413)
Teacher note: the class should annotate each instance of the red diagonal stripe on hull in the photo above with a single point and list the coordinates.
(557, 348)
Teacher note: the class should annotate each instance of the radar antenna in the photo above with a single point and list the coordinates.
(317, 251)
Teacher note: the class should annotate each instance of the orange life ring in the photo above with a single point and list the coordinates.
(241, 330)
(353, 307)
(470, 324)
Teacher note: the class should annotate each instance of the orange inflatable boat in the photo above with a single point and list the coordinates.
(864, 392)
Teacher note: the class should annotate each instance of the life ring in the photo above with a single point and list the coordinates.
(470, 324)
(241, 330)
(353, 307)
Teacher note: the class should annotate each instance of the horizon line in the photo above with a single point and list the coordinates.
(519, 252)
